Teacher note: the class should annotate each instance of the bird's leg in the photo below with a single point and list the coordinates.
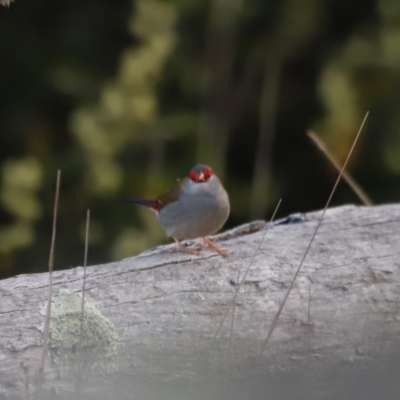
(211, 245)
(181, 247)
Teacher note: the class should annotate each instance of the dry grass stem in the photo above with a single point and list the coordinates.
(346, 176)
(233, 308)
(51, 265)
(238, 286)
(275, 321)
(84, 266)
(309, 319)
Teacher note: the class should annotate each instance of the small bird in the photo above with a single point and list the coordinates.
(196, 206)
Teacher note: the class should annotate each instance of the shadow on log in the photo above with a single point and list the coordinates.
(338, 336)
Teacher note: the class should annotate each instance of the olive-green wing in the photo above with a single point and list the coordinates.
(171, 195)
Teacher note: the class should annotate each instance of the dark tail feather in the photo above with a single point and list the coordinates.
(140, 202)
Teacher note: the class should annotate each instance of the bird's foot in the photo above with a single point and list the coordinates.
(181, 247)
(208, 243)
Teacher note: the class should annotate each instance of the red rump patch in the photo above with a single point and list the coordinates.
(156, 205)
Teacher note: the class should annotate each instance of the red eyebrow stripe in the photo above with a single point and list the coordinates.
(193, 175)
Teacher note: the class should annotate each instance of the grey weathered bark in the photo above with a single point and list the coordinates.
(166, 306)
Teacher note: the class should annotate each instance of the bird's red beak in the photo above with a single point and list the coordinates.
(201, 177)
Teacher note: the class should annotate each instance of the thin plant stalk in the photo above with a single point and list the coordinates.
(84, 267)
(238, 286)
(275, 321)
(309, 319)
(51, 265)
(346, 176)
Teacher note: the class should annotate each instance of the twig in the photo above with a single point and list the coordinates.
(84, 266)
(51, 265)
(275, 321)
(245, 274)
(346, 176)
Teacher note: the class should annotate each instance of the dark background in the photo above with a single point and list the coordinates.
(124, 97)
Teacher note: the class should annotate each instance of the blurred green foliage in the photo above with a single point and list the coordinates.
(126, 97)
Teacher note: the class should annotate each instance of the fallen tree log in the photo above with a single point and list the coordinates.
(162, 309)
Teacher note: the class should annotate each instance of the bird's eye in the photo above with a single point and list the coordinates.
(207, 173)
(193, 176)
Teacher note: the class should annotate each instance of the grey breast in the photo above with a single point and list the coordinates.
(202, 210)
